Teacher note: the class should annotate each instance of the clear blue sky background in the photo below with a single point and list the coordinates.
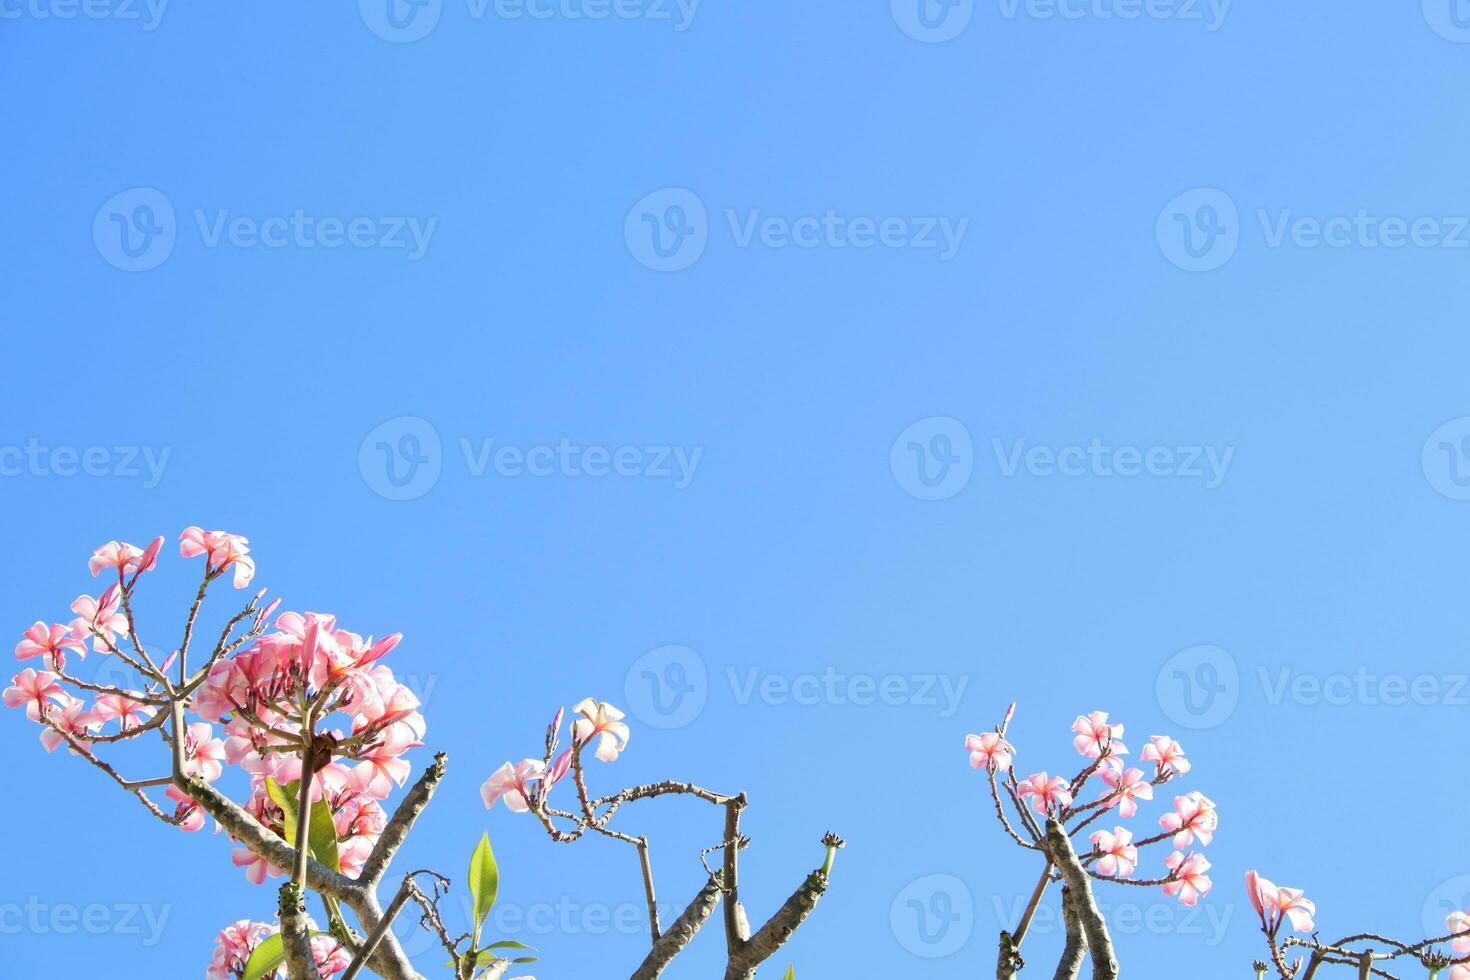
(1334, 543)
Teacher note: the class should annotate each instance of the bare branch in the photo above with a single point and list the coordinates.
(1070, 966)
(395, 832)
(681, 933)
(296, 934)
(1094, 926)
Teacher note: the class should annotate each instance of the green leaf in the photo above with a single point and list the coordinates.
(282, 798)
(265, 958)
(321, 840)
(484, 882)
(509, 944)
(791, 972)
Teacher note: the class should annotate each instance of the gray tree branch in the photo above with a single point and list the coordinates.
(296, 934)
(681, 932)
(1070, 966)
(1094, 926)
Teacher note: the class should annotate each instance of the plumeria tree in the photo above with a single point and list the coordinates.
(1045, 814)
(1303, 956)
(313, 715)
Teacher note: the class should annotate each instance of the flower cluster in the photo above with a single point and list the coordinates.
(525, 785)
(1276, 906)
(276, 692)
(1121, 787)
(274, 689)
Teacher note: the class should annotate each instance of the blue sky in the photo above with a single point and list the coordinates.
(800, 356)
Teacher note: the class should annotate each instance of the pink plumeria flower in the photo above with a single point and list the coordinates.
(1458, 924)
(72, 718)
(1189, 882)
(1272, 902)
(514, 785)
(1166, 753)
(1046, 792)
(330, 956)
(256, 867)
(233, 948)
(1126, 787)
(49, 643)
(204, 755)
(188, 814)
(1094, 734)
(100, 619)
(988, 749)
(1194, 818)
(379, 701)
(128, 712)
(604, 722)
(221, 550)
(116, 554)
(36, 690)
(1119, 855)
(381, 765)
